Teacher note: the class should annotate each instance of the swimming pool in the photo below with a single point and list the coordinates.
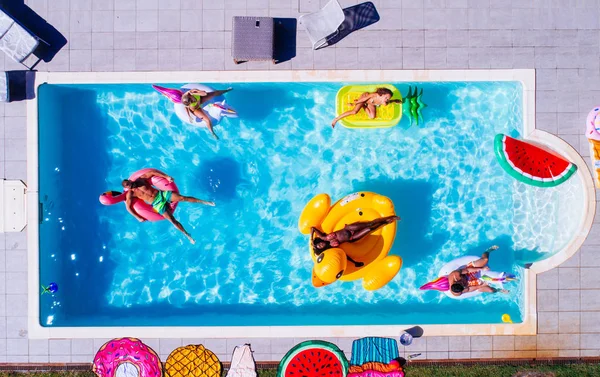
(250, 266)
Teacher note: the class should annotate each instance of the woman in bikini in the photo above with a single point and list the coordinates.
(469, 279)
(368, 102)
(350, 233)
(193, 100)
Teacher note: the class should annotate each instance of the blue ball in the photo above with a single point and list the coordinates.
(53, 287)
(406, 339)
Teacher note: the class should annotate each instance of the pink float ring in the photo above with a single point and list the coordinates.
(139, 206)
(592, 124)
(126, 350)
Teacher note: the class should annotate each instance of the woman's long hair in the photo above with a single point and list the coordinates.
(383, 91)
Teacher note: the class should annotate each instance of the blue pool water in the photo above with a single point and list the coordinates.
(250, 265)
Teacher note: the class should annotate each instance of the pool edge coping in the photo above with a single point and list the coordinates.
(525, 76)
(589, 191)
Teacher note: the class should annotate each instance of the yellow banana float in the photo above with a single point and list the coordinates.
(378, 267)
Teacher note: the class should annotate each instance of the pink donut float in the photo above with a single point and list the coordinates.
(126, 350)
(593, 124)
(142, 208)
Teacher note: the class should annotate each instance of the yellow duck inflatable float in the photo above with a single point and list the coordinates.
(378, 267)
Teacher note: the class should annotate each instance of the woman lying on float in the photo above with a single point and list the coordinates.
(469, 276)
(350, 233)
(199, 105)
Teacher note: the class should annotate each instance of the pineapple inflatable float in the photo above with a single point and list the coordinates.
(192, 361)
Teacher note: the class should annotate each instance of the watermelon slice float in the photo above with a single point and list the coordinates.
(313, 358)
(531, 164)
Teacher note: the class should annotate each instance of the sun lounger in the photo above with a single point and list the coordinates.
(15, 40)
(323, 24)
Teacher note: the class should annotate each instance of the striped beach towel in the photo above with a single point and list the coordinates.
(373, 349)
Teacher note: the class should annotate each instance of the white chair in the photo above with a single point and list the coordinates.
(13, 205)
(323, 24)
(15, 40)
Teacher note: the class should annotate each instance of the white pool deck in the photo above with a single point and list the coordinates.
(413, 40)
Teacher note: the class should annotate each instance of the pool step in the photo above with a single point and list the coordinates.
(13, 205)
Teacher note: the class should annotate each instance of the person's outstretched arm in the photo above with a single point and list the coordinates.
(453, 277)
(156, 173)
(362, 99)
(198, 92)
(358, 104)
(129, 206)
(190, 114)
(319, 233)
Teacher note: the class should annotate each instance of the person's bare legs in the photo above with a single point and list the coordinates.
(176, 198)
(356, 264)
(354, 111)
(216, 93)
(485, 257)
(371, 111)
(364, 232)
(169, 216)
(202, 115)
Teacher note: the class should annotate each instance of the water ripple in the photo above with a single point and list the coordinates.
(249, 250)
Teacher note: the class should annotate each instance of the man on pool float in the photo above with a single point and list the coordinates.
(349, 233)
(470, 278)
(142, 189)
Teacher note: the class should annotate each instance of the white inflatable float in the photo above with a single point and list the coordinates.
(492, 278)
(216, 108)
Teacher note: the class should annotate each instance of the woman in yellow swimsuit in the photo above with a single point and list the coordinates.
(368, 102)
(193, 100)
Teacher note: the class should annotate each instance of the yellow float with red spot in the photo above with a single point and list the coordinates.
(379, 268)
